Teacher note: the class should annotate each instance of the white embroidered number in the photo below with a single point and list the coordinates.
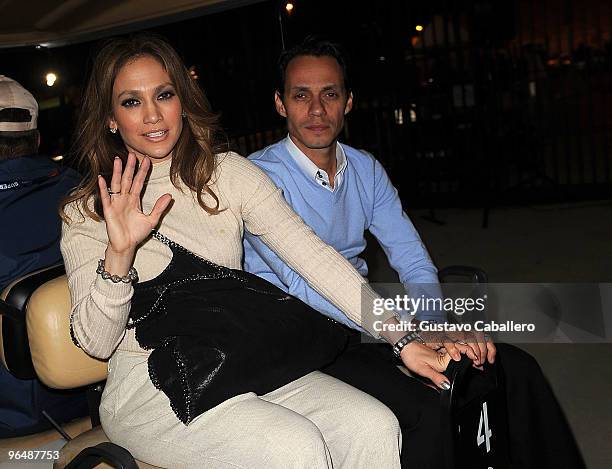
(486, 437)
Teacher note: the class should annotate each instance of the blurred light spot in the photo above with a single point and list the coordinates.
(399, 116)
(532, 88)
(51, 78)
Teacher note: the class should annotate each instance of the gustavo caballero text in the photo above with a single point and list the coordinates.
(429, 326)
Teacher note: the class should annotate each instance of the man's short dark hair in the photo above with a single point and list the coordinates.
(316, 47)
(18, 144)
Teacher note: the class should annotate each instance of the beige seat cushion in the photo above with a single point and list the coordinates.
(85, 440)
(58, 362)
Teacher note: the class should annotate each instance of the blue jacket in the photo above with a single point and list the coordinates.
(30, 192)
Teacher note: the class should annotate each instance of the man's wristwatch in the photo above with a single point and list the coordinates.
(408, 338)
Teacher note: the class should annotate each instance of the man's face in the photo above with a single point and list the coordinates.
(314, 102)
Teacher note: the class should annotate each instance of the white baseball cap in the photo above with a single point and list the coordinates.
(15, 96)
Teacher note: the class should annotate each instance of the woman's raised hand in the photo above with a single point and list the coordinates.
(127, 226)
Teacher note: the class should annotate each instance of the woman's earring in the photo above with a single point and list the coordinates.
(183, 114)
(113, 130)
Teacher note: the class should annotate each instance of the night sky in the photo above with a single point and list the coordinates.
(515, 79)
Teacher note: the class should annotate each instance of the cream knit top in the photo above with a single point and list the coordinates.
(100, 308)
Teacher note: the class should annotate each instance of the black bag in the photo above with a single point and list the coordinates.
(217, 332)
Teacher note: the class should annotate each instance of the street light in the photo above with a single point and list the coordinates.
(419, 27)
(51, 78)
(288, 7)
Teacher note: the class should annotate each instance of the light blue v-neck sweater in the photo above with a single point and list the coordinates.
(364, 200)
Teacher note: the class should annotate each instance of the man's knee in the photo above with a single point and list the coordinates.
(424, 421)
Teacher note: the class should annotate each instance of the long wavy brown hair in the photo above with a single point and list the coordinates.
(193, 161)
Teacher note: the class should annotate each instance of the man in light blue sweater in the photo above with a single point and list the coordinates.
(341, 192)
(355, 196)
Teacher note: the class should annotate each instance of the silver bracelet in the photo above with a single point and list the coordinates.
(131, 276)
(407, 339)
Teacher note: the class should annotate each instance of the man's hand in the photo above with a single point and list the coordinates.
(474, 344)
(453, 343)
(480, 344)
(485, 345)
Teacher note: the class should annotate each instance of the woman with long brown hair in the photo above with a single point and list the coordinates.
(151, 143)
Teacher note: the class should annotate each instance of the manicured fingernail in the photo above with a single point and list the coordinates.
(445, 385)
(116, 157)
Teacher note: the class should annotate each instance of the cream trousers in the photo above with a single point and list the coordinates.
(315, 422)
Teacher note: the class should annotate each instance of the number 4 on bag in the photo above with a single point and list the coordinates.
(486, 437)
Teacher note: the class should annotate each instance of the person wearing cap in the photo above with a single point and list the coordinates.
(31, 187)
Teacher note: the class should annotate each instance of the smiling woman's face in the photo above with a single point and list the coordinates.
(146, 109)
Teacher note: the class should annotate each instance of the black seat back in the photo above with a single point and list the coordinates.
(15, 347)
(474, 419)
